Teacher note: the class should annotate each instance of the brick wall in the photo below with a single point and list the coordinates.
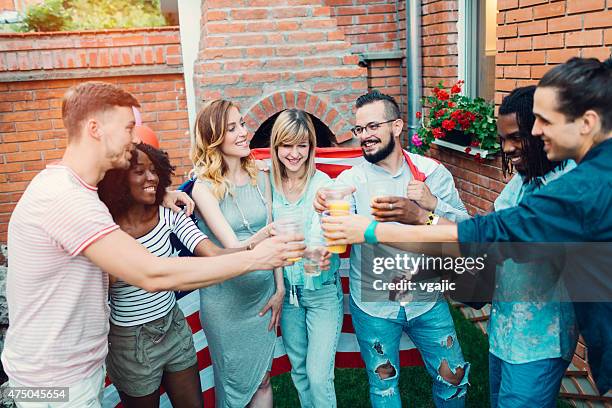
(38, 68)
(478, 184)
(372, 27)
(268, 57)
(439, 42)
(369, 25)
(535, 35)
(385, 75)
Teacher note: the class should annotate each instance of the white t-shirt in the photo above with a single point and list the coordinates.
(57, 298)
(131, 305)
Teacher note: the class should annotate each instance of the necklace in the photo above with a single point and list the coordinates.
(245, 221)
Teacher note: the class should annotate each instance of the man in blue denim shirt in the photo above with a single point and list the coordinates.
(379, 322)
(574, 120)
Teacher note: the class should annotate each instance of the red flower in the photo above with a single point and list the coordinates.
(451, 104)
(456, 89)
(478, 158)
(457, 115)
(438, 133)
(439, 113)
(442, 95)
(468, 149)
(419, 115)
(475, 143)
(448, 124)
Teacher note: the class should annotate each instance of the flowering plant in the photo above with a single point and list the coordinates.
(451, 112)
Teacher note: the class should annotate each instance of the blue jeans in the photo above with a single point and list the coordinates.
(310, 334)
(534, 384)
(433, 333)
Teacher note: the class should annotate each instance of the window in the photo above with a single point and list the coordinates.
(477, 47)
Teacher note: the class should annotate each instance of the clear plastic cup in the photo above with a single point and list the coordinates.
(382, 188)
(288, 224)
(338, 198)
(336, 249)
(313, 254)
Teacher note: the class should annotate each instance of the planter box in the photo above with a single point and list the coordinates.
(458, 137)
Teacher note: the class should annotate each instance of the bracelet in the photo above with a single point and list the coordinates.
(432, 219)
(369, 234)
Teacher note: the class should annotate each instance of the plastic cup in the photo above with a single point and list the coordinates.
(336, 249)
(290, 223)
(314, 252)
(382, 188)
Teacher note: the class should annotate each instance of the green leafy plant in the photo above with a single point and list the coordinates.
(102, 14)
(63, 15)
(450, 111)
(50, 15)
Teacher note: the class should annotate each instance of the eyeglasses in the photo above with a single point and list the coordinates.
(370, 127)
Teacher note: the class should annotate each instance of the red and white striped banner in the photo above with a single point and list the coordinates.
(332, 161)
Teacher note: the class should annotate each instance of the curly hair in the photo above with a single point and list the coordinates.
(114, 189)
(206, 156)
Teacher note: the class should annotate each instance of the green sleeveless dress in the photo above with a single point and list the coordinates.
(241, 347)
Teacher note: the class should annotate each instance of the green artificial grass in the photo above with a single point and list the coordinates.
(352, 388)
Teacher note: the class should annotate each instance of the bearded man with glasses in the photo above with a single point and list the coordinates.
(379, 315)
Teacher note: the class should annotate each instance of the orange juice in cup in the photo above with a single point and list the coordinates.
(337, 198)
(336, 249)
(338, 206)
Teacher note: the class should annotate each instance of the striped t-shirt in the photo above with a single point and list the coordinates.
(57, 298)
(130, 305)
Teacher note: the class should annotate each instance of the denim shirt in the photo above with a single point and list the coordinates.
(532, 324)
(572, 209)
(294, 274)
(449, 206)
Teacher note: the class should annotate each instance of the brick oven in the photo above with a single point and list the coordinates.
(268, 58)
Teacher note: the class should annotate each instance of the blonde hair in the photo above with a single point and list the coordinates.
(206, 155)
(292, 126)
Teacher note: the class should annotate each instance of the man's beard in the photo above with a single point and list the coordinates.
(383, 153)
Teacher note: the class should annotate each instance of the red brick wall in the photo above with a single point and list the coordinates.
(268, 58)
(439, 50)
(376, 26)
(31, 129)
(478, 184)
(386, 75)
(369, 25)
(535, 35)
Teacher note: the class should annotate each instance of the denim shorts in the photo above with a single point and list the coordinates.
(139, 355)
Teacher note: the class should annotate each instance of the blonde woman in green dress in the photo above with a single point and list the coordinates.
(240, 315)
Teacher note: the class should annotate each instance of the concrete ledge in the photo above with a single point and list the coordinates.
(381, 55)
(46, 75)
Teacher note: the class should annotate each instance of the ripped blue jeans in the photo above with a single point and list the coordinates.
(433, 333)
